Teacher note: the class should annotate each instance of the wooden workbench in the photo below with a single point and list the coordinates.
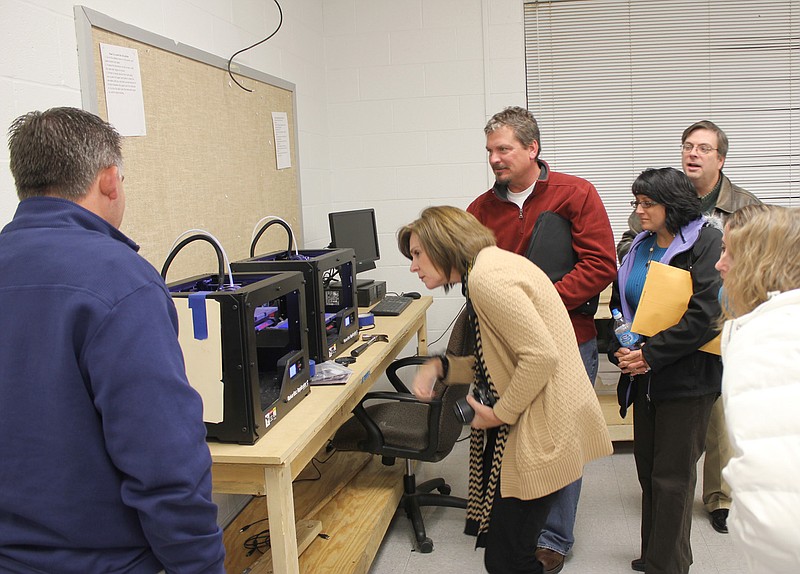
(269, 466)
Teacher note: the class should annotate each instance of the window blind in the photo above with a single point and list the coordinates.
(613, 84)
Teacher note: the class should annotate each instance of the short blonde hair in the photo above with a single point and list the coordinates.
(765, 257)
(450, 236)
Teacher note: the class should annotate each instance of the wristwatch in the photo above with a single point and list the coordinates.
(445, 366)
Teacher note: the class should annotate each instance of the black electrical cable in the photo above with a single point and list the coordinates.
(257, 543)
(267, 226)
(448, 327)
(314, 462)
(184, 243)
(280, 23)
(246, 527)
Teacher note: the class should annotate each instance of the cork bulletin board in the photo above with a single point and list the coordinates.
(208, 160)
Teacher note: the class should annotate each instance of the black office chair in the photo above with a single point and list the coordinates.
(403, 426)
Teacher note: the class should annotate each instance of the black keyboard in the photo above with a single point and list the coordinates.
(391, 306)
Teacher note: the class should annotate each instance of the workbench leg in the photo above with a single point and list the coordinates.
(422, 337)
(282, 529)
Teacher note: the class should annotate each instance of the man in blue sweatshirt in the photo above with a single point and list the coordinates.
(103, 460)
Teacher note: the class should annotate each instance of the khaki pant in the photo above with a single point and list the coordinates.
(716, 492)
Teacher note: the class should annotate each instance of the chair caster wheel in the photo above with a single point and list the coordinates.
(426, 546)
(444, 489)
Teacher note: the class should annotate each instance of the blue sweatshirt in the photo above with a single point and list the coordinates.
(103, 460)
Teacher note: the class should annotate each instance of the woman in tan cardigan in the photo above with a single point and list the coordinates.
(545, 423)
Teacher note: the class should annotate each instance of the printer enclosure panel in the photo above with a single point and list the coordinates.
(264, 349)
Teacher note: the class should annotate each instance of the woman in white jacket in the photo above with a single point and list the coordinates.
(760, 266)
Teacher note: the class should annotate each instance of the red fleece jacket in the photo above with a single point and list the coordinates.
(576, 200)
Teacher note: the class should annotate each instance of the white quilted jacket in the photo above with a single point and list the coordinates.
(761, 390)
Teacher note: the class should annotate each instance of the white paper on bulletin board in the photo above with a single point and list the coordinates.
(283, 151)
(122, 80)
(203, 358)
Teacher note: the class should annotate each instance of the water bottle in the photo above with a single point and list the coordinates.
(622, 329)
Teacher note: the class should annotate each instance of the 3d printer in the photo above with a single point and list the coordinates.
(332, 322)
(245, 346)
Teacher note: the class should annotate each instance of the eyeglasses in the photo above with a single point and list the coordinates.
(646, 204)
(704, 149)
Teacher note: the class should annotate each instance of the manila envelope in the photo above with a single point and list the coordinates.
(665, 298)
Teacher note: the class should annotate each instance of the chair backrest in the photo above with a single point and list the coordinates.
(450, 427)
(461, 343)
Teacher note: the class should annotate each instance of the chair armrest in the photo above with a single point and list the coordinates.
(391, 371)
(401, 397)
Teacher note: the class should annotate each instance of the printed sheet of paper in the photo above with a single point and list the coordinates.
(122, 80)
(280, 128)
(665, 298)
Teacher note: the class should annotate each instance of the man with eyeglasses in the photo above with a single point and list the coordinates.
(704, 147)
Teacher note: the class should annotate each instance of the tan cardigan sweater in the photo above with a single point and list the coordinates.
(532, 357)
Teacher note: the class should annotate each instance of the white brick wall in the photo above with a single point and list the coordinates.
(407, 104)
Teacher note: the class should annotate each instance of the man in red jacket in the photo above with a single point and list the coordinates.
(524, 188)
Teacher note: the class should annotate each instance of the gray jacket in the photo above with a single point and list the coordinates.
(731, 197)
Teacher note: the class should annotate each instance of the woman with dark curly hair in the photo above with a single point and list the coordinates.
(670, 382)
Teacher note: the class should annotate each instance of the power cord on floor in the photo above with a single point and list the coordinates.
(246, 527)
(257, 543)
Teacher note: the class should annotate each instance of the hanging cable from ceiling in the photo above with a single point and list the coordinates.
(280, 23)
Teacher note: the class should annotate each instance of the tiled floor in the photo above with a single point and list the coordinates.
(606, 531)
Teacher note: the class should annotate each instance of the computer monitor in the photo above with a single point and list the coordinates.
(356, 229)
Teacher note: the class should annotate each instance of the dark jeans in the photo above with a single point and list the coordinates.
(669, 437)
(513, 528)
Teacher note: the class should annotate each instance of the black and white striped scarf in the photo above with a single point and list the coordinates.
(482, 485)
